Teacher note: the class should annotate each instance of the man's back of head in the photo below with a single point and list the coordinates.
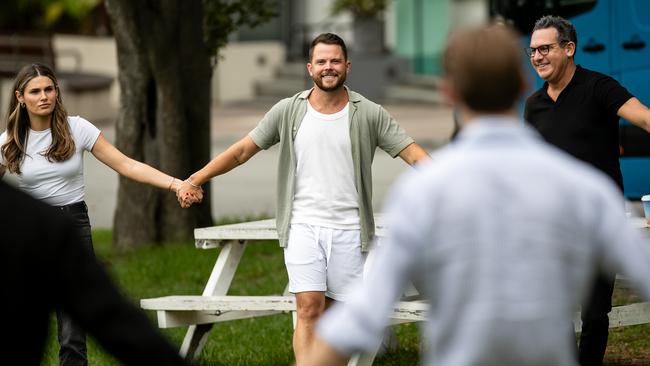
(485, 68)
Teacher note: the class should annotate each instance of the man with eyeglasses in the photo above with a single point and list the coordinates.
(578, 111)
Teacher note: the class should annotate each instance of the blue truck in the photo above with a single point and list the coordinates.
(613, 38)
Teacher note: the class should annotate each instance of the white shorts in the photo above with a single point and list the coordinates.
(323, 259)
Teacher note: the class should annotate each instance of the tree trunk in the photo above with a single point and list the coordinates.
(164, 121)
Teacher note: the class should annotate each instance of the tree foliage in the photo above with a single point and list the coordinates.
(360, 8)
(222, 17)
(44, 15)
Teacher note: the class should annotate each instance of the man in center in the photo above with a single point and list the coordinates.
(328, 136)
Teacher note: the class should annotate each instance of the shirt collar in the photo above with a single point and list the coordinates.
(483, 127)
(577, 78)
(352, 96)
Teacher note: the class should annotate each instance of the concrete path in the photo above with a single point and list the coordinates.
(250, 189)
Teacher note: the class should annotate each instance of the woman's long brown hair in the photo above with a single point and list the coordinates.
(13, 150)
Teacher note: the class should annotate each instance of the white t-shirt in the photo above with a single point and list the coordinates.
(326, 194)
(55, 183)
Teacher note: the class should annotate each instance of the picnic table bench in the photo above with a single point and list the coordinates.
(201, 312)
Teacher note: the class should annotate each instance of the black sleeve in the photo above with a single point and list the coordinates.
(89, 296)
(610, 93)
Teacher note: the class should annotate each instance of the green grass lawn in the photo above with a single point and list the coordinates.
(177, 269)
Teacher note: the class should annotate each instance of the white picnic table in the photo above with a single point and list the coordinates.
(201, 312)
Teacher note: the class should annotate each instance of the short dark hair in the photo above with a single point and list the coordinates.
(485, 67)
(566, 32)
(328, 38)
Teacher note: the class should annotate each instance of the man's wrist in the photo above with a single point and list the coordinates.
(189, 181)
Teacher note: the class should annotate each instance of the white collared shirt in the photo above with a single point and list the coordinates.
(502, 233)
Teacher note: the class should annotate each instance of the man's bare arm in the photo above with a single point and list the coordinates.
(413, 153)
(237, 154)
(635, 112)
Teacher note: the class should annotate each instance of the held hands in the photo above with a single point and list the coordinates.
(188, 193)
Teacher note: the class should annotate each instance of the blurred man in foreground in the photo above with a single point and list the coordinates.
(44, 267)
(502, 233)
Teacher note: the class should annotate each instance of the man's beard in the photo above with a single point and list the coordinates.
(318, 80)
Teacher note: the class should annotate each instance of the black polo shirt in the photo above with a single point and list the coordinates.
(583, 120)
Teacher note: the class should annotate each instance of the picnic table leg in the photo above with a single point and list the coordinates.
(194, 340)
(362, 359)
(294, 315)
(367, 358)
(218, 284)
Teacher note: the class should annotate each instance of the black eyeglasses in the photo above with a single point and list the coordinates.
(543, 49)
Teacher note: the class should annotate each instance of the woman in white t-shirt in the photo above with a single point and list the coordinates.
(44, 147)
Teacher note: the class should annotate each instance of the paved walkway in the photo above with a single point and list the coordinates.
(250, 189)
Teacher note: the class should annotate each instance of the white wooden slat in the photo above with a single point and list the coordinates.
(220, 303)
(172, 319)
(622, 316)
(406, 311)
(211, 237)
(632, 314)
(254, 230)
(174, 311)
(411, 311)
(217, 243)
